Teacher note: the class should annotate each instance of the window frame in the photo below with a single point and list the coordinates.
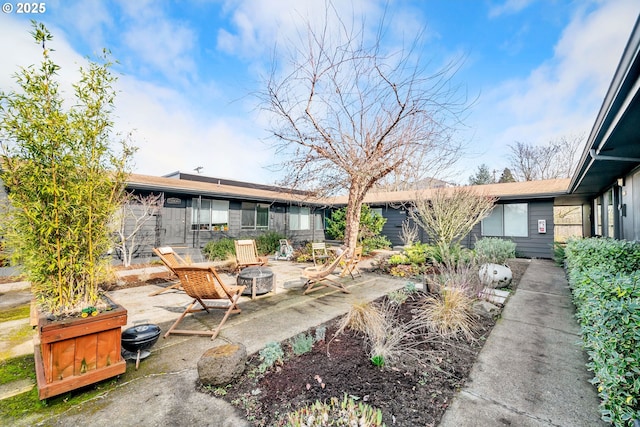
(505, 222)
(209, 225)
(254, 211)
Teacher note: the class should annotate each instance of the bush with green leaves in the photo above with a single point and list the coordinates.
(346, 412)
(494, 250)
(301, 344)
(605, 282)
(219, 250)
(269, 242)
(271, 354)
(371, 224)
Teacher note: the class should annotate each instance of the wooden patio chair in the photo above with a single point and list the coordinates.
(247, 254)
(318, 277)
(319, 253)
(204, 285)
(171, 260)
(351, 264)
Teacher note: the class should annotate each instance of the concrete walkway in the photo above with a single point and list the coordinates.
(531, 371)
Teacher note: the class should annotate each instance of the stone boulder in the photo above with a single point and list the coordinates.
(486, 309)
(495, 275)
(223, 364)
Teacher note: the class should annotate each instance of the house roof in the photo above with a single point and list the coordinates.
(503, 191)
(214, 189)
(613, 148)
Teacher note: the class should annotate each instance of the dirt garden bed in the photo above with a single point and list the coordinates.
(416, 394)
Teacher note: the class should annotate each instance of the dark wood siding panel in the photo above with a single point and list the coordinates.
(393, 226)
(536, 245)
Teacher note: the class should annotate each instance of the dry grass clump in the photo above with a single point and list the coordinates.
(450, 312)
(390, 341)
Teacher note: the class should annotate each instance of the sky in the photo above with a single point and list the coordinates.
(536, 70)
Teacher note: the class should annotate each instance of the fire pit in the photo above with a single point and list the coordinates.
(258, 280)
(137, 340)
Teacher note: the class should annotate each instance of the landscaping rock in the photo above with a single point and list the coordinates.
(221, 365)
(486, 309)
(495, 275)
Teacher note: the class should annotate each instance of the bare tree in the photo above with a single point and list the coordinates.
(134, 213)
(449, 214)
(556, 159)
(346, 114)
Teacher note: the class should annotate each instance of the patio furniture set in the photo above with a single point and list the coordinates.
(202, 282)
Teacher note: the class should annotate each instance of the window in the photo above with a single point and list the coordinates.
(320, 220)
(254, 216)
(207, 214)
(511, 220)
(299, 218)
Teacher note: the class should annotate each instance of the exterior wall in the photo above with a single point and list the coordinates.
(172, 227)
(631, 207)
(536, 245)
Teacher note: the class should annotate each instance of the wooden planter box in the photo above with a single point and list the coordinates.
(76, 352)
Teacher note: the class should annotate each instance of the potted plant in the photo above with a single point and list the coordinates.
(64, 182)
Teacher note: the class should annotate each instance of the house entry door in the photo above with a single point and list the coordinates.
(174, 226)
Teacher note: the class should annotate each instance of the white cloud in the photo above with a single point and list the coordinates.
(509, 7)
(562, 96)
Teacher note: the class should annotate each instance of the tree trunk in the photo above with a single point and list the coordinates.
(354, 207)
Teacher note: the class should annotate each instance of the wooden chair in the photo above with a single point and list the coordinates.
(172, 260)
(203, 284)
(247, 254)
(319, 253)
(317, 277)
(351, 264)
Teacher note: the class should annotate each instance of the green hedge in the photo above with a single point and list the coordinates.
(605, 281)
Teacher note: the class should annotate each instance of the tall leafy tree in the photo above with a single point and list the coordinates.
(483, 175)
(507, 176)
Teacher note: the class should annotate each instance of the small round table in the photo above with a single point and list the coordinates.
(258, 280)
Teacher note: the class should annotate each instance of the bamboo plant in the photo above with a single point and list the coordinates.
(63, 179)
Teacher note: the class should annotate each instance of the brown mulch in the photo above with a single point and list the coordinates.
(411, 395)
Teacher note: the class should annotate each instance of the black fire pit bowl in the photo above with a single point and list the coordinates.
(137, 340)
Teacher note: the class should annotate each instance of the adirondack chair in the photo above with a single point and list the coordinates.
(247, 254)
(350, 265)
(204, 285)
(319, 253)
(171, 260)
(318, 277)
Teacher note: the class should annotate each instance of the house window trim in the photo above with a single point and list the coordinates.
(296, 218)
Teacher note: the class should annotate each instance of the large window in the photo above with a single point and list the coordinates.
(207, 214)
(299, 218)
(254, 216)
(511, 220)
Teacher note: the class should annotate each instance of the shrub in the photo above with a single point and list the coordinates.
(347, 412)
(419, 253)
(271, 354)
(605, 282)
(494, 250)
(371, 225)
(219, 250)
(370, 244)
(301, 344)
(269, 243)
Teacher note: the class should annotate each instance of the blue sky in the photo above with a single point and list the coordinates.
(539, 69)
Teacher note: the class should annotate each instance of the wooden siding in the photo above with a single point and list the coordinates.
(536, 245)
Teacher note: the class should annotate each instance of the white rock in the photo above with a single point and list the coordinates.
(495, 275)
